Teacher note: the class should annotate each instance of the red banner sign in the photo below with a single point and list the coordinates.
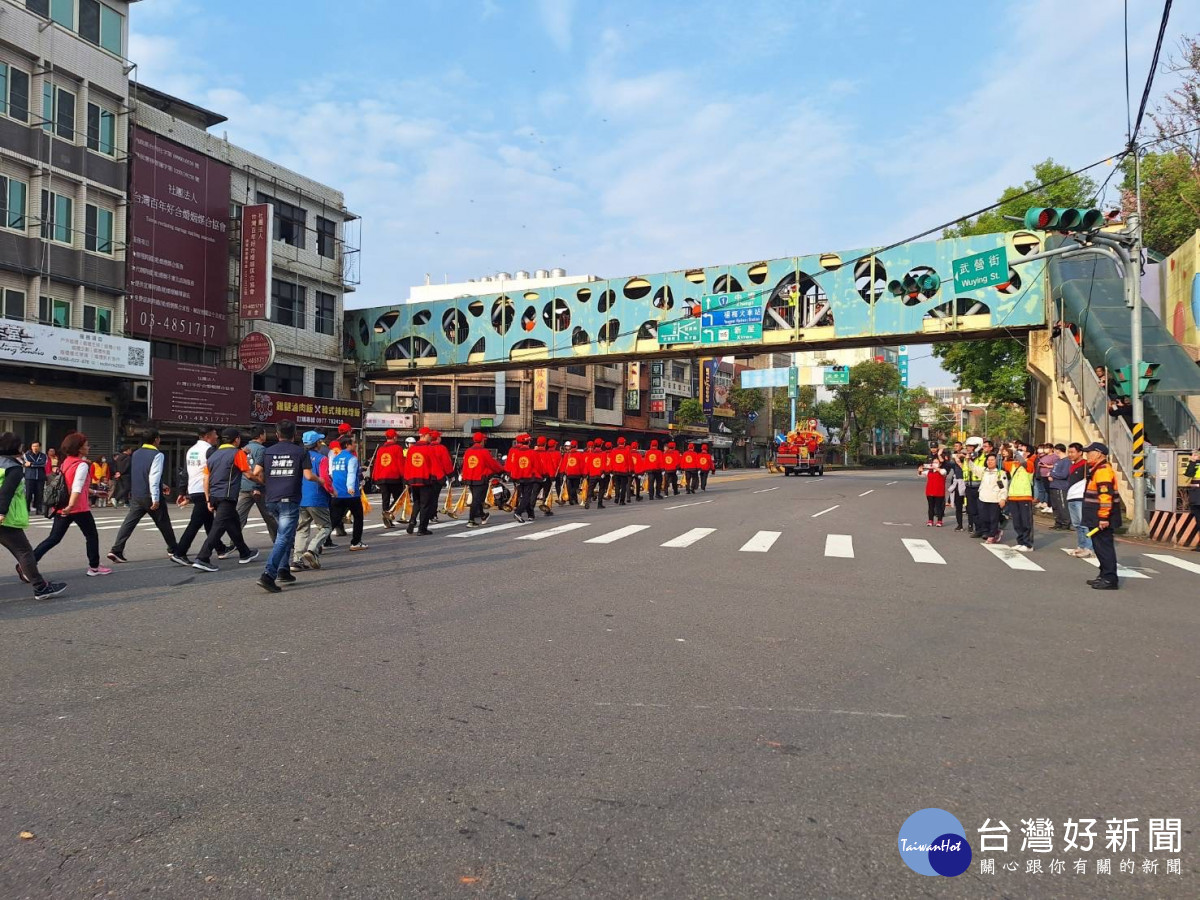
(178, 257)
(201, 395)
(256, 352)
(311, 412)
(256, 261)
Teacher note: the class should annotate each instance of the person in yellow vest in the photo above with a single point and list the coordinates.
(1102, 514)
(1020, 499)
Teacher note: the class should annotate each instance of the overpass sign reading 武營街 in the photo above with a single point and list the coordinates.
(902, 295)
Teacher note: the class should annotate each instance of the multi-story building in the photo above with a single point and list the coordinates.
(64, 109)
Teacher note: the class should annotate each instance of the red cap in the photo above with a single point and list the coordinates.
(704, 447)
(423, 431)
(477, 437)
(608, 445)
(334, 445)
(671, 446)
(691, 446)
(621, 441)
(390, 434)
(435, 435)
(654, 445)
(522, 438)
(553, 443)
(634, 445)
(591, 445)
(344, 428)
(541, 441)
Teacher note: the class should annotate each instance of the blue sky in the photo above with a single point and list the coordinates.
(616, 138)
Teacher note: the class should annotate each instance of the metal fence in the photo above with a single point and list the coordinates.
(1177, 418)
(1075, 368)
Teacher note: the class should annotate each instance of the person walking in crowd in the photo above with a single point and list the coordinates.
(35, 463)
(955, 486)
(346, 475)
(120, 477)
(1057, 485)
(934, 472)
(443, 470)
(706, 466)
(478, 468)
(637, 470)
(286, 468)
(993, 494)
(387, 472)
(14, 517)
(223, 473)
(654, 471)
(419, 476)
(522, 468)
(195, 462)
(691, 469)
(77, 473)
(594, 463)
(574, 469)
(101, 488)
(250, 493)
(146, 493)
(1020, 499)
(622, 466)
(51, 471)
(1102, 514)
(670, 471)
(314, 525)
(1077, 478)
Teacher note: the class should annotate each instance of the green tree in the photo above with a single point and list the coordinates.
(1007, 422)
(781, 406)
(744, 401)
(868, 401)
(994, 370)
(690, 412)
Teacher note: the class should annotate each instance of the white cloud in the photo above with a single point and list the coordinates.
(557, 17)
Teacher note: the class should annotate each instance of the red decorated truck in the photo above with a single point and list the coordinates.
(802, 453)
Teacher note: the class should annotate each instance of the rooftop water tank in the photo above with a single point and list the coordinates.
(558, 273)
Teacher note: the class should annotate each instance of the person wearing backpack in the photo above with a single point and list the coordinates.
(76, 474)
(14, 518)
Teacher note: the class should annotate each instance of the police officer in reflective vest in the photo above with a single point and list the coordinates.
(1102, 514)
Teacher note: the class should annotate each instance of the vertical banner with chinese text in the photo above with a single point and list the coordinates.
(257, 223)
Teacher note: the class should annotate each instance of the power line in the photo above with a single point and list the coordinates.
(1162, 30)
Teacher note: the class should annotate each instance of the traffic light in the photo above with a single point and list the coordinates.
(1068, 218)
(1147, 379)
(926, 283)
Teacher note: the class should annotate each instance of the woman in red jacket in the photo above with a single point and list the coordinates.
(935, 490)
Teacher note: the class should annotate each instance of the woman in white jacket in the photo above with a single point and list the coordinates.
(993, 494)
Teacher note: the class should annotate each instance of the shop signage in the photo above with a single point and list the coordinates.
(65, 348)
(257, 225)
(190, 392)
(256, 352)
(311, 412)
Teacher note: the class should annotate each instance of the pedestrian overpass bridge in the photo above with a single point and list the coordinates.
(823, 301)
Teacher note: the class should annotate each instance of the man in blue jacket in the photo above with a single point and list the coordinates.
(315, 496)
(346, 474)
(1058, 483)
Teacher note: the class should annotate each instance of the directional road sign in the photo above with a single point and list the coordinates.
(681, 331)
(981, 270)
(834, 376)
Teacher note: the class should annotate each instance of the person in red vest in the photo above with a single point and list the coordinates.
(547, 469)
(670, 470)
(522, 467)
(691, 469)
(607, 477)
(443, 471)
(654, 467)
(639, 469)
(478, 467)
(419, 468)
(595, 474)
(388, 473)
(559, 457)
(574, 470)
(622, 465)
(706, 466)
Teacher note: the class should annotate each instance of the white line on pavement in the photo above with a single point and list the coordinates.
(761, 542)
(922, 551)
(890, 483)
(1172, 561)
(1122, 572)
(689, 537)
(1014, 559)
(822, 512)
(617, 535)
(839, 545)
(864, 493)
(778, 709)
(490, 529)
(556, 530)
(683, 505)
(446, 524)
(765, 490)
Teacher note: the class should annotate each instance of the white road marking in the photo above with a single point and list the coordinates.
(890, 483)
(613, 536)
(1014, 559)
(1122, 571)
(556, 530)
(761, 542)
(776, 709)
(490, 529)
(1172, 561)
(689, 537)
(841, 545)
(765, 490)
(443, 525)
(922, 551)
(822, 512)
(864, 493)
(684, 505)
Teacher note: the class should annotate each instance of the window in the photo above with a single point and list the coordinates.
(435, 398)
(476, 400)
(577, 370)
(112, 28)
(678, 372)
(14, 92)
(13, 195)
(207, 356)
(289, 221)
(97, 319)
(14, 304)
(63, 12)
(326, 238)
(58, 111)
(606, 398)
(98, 24)
(282, 379)
(98, 231)
(39, 7)
(325, 306)
(577, 407)
(54, 312)
(323, 383)
(101, 130)
(512, 400)
(287, 303)
(58, 214)
(552, 403)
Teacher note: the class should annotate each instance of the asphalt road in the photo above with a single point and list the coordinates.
(481, 714)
